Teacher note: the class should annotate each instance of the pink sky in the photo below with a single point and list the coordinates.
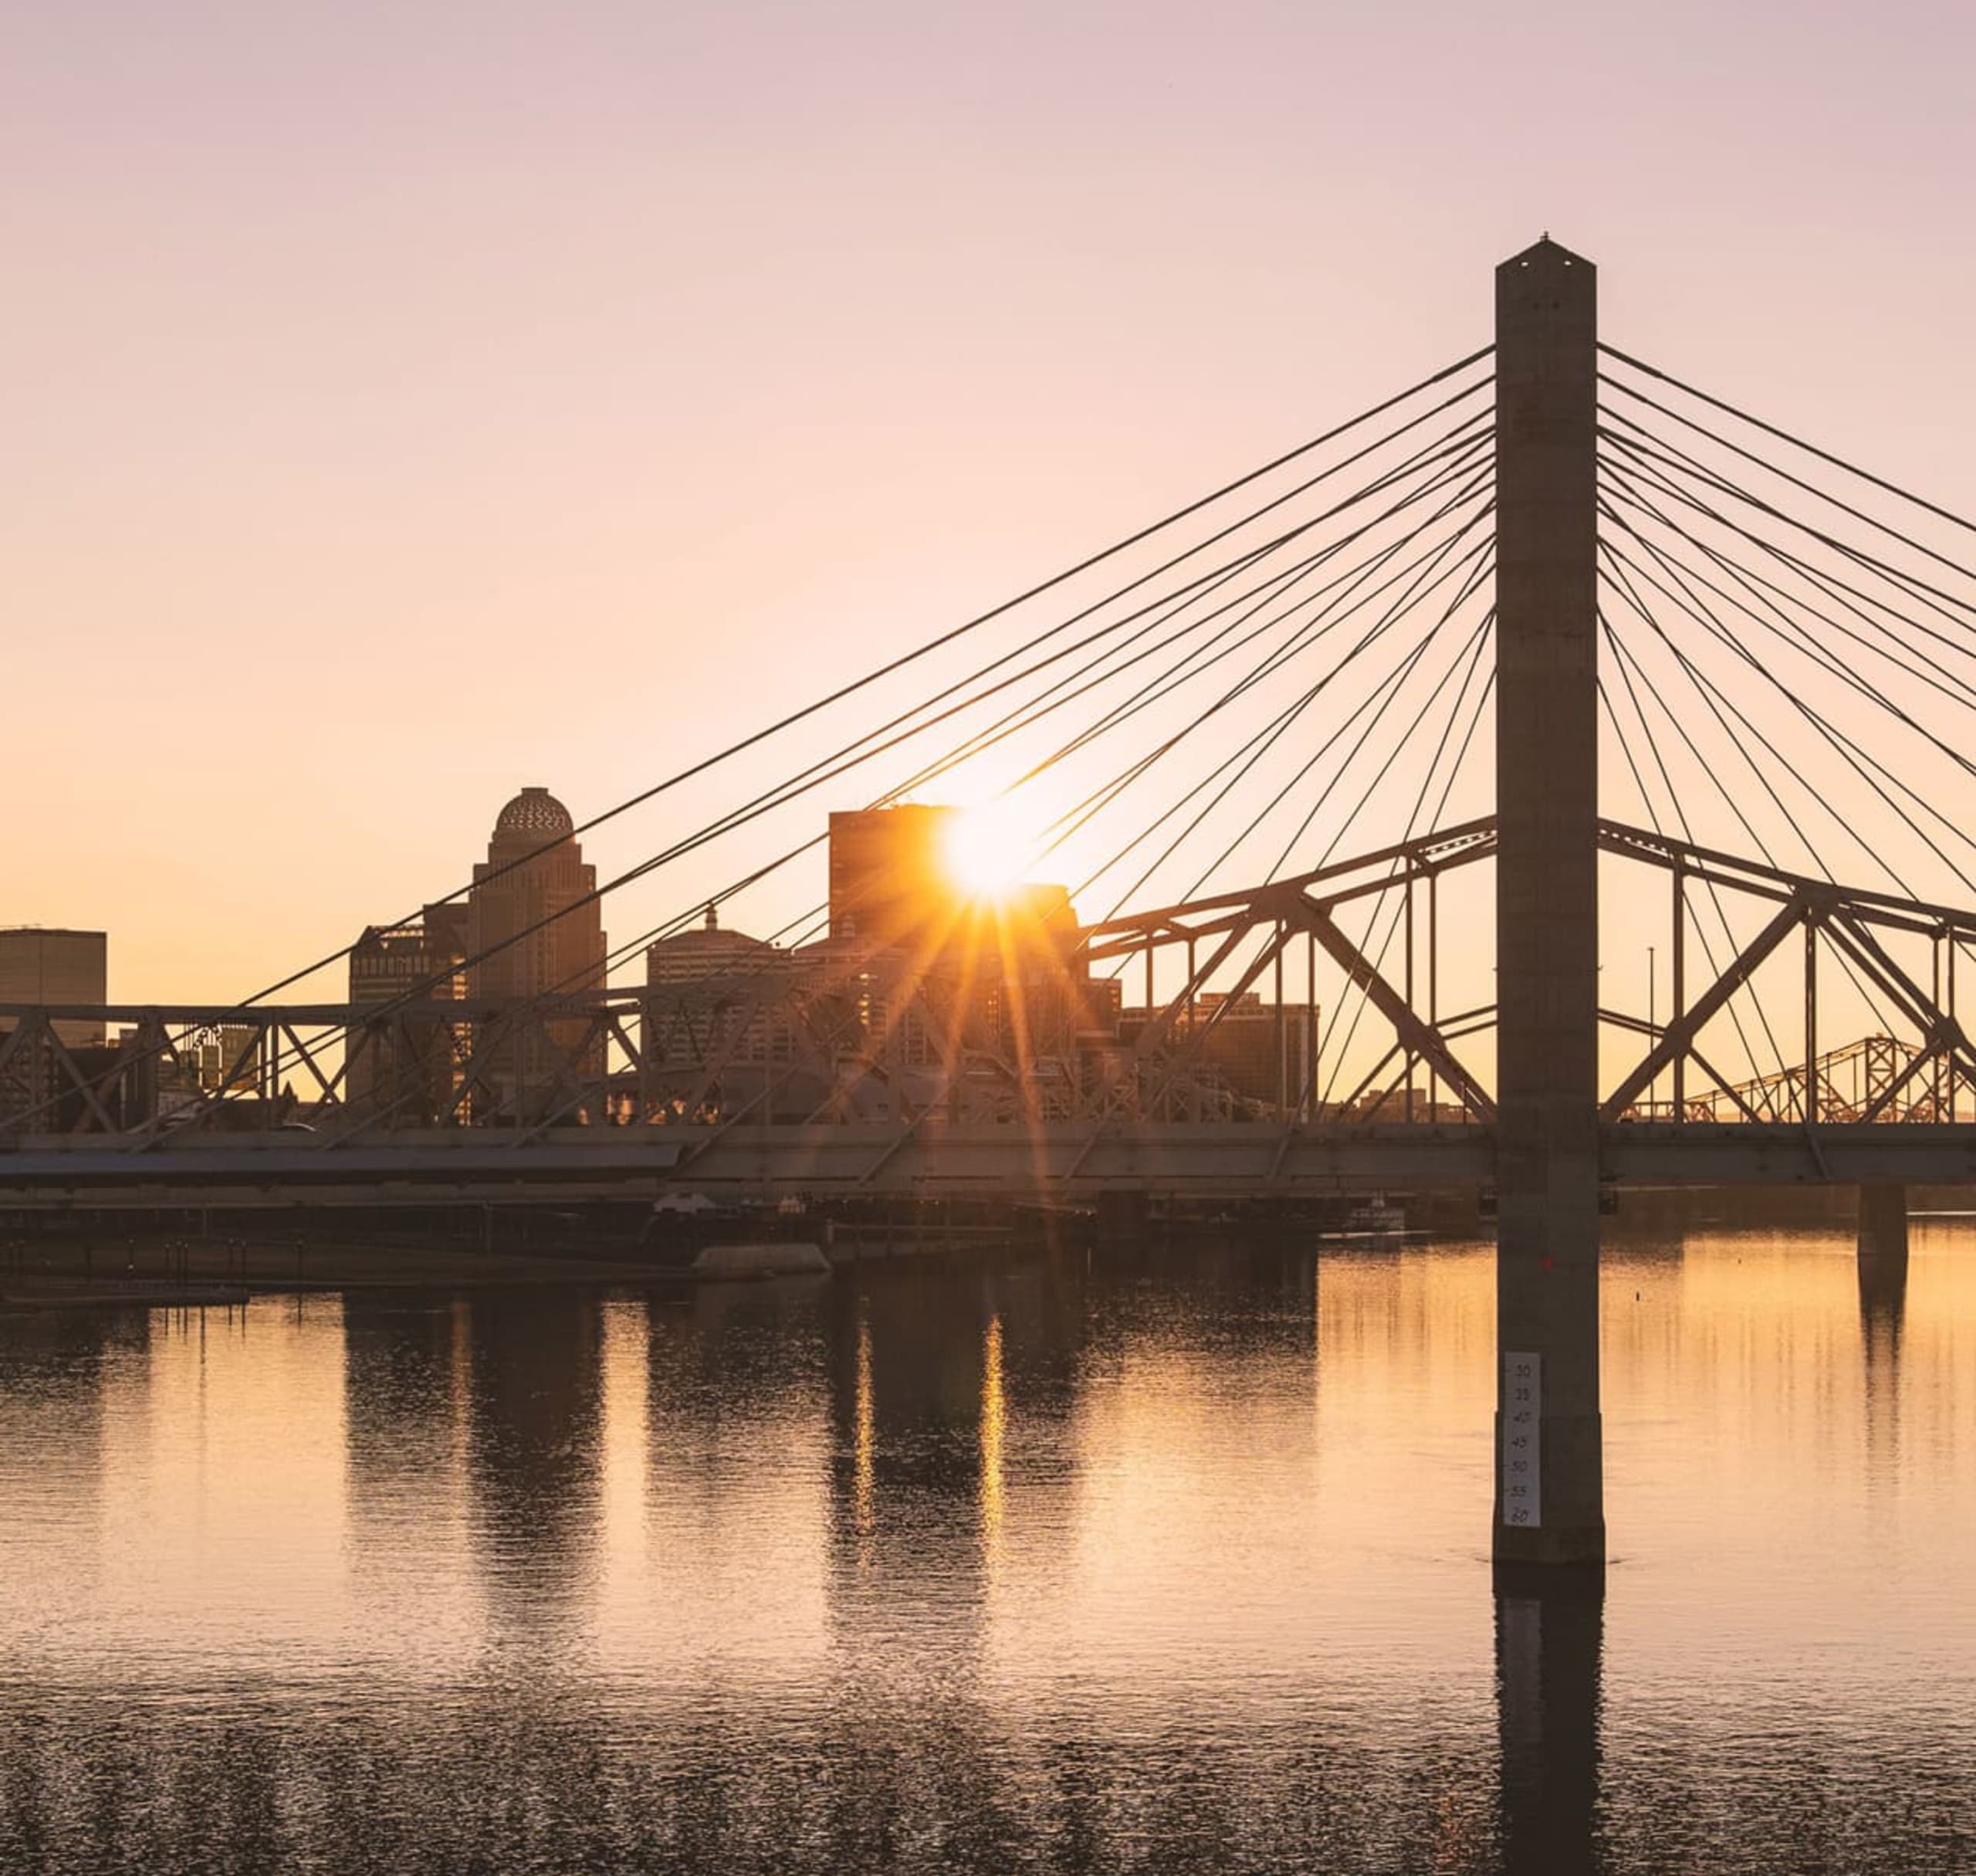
(405, 403)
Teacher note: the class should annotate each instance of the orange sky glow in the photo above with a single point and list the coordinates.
(407, 405)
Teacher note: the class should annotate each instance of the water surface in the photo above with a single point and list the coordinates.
(1172, 1561)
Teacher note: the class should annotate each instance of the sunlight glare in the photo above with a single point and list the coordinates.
(988, 848)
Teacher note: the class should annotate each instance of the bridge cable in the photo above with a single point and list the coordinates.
(1620, 662)
(891, 666)
(1777, 598)
(1704, 687)
(1275, 729)
(1853, 752)
(1378, 957)
(1810, 450)
(1765, 464)
(1660, 452)
(771, 799)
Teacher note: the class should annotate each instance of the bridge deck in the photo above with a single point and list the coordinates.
(1070, 1161)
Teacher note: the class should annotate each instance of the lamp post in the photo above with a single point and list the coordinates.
(1652, 1034)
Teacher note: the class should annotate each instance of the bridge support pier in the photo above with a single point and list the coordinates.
(1550, 1489)
(1883, 1224)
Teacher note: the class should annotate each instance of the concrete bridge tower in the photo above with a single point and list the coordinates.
(1549, 1500)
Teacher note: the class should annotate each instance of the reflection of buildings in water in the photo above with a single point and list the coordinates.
(56, 1388)
(908, 1355)
(1549, 1641)
(934, 1384)
(407, 1374)
(954, 1406)
(532, 1419)
(733, 1548)
(922, 1373)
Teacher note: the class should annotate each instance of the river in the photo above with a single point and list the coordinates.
(1174, 1560)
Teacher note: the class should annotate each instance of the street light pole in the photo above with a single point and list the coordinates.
(1653, 1029)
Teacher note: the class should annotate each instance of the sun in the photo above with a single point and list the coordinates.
(988, 848)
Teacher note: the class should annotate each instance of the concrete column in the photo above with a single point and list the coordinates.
(1549, 1505)
(1883, 1223)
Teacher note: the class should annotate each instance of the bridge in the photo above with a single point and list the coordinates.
(1432, 729)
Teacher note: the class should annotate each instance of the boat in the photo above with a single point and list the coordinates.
(1373, 1218)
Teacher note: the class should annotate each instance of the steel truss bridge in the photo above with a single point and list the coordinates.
(1427, 736)
(1416, 1114)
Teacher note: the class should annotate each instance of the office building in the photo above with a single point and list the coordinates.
(1259, 1051)
(716, 977)
(889, 880)
(412, 1064)
(44, 964)
(936, 972)
(535, 932)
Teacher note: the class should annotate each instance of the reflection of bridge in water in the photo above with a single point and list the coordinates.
(1754, 638)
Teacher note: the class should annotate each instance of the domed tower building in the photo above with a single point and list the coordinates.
(535, 881)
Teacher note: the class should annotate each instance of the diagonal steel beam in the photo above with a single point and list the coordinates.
(14, 1043)
(1724, 1086)
(1423, 1039)
(1936, 1024)
(489, 1038)
(1366, 1080)
(1891, 1092)
(58, 1051)
(1197, 1035)
(1157, 1028)
(1679, 1039)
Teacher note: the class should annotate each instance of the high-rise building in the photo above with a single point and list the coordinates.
(889, 881)
(46, 965)
(939, 971)
(731, 966)
(535, 930)
(1261, 1051)
(410, 1064)
(1033, 994)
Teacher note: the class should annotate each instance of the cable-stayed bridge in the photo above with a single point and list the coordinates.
(1558, 770)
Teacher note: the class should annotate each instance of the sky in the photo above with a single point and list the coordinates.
(406, 404)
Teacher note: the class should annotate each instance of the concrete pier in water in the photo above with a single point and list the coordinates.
(1549, 1498)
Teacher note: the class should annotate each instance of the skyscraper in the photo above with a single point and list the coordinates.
(42, 964)
(534, 930)
(406, 1063)
(723, 962)
(889, 883)
(939, 969)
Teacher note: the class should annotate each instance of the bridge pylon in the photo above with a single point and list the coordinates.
(1549, 1498)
